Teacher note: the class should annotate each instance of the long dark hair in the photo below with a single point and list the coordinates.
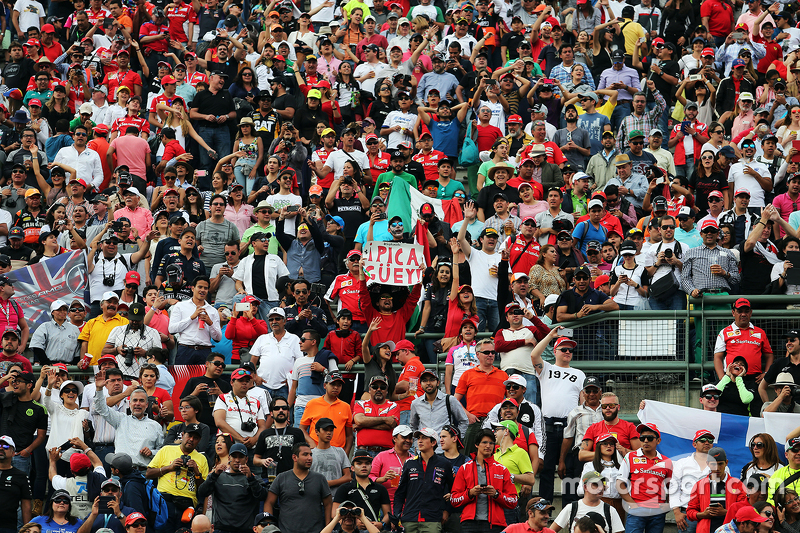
(701, 170)
(240, 82)
(770, 451)
(435, 286)
(228, 442)
(48, 512)
(732, 231)
(597, 461)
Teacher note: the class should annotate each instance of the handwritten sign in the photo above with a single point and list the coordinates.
(394, 263)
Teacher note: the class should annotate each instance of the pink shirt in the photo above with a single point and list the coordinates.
(382, 463)
(132, 150)
(785, 207)
(141, 218)
(243, 219)
(159, 322)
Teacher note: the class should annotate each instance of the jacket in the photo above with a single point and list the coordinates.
(420, 495)
(498, 477)
(726, 95)
(244, 332)
(701, 497)
(235, 496)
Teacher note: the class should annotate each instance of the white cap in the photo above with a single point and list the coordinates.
(109, 295)
(518, 276)
(656, 131)
(8, 440)
(596, 202)
(78, 385)
(746, 96)
(551, 299)
(58, 304)
(403, 430)
(427, 432)
(86, 107)
(277, 311)
(516, 379)
(133, 190)
(580, 176)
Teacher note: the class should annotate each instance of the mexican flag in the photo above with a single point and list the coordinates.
(405, 202)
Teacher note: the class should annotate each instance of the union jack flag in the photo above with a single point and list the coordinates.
(62, 277)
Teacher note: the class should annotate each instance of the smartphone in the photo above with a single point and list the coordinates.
(104, 501)
(491, 82)
(66, 446)
(695, 77)
(715, 504)
(293, 208)
(567, 332)
(241, 307)
(660, 181)
(201, 173)
(548, 81)
(737, 35)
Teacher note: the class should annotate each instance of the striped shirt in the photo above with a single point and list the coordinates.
(696, 273)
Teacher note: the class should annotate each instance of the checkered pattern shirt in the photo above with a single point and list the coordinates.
(696, 273)
(498, 223)
(644, 123)
(564, 75)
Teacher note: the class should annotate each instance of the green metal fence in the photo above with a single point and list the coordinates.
(659, 355)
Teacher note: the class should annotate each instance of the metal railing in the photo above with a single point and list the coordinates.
(661, 355)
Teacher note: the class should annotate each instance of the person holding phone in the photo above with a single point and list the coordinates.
(714, 494)
(107, 510)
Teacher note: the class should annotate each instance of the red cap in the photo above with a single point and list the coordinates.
(61, 367)
(715, 194)
(369, 136)
(702, 433)
(35, 101)
(101, 128)
(48, 28)
(351, 253)
(514, 119)
(467, 321)
(171, 191)
(512, 401)
(133, 277)
(279, 57)
(78, 462)
(168, 79)
(742, 26)
(553, 22)
(512, 305)
(709, 223)
(324, 83)
(741, 302)
(707, 52)
(741, 190)
(241, 373)
(658, 40)
(600, 194)
(648, 427)
(748, 513)
(250, 299)
(80, 181)
(601, 280)
(133, 517)
(564, 341)
(33, 42)
(108, 357)
(404, 344)
(604, 437)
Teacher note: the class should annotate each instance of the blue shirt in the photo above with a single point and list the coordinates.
(224, 346)
(586, 232)
(53, 527)
(380, 232)
(445, 136)
(595, 124)
(54, 144)
(445, 82)
(690, 239)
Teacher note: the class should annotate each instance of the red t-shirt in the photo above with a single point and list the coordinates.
(327, 181)
(177, 16)
(750, 343)
(411, 371)
(455, 316)
(150, 29)
(5, 363)
(623, 430)
(99, 15)
(430, 163)
(127, 78)
(520, 247)
(121, 124)
(375, 437)
(487, 135)
(646, 478)
(377, 165)
(720, 17)
(345, 287)
(195, 77)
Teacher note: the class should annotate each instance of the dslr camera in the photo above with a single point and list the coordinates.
(127, 351)
(250, 425)
(109, 280)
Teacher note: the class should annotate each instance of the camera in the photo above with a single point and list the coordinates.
(382, 216)
(668, 253)
(152, 404)
(249, 425)
(128, 353)
(348, 180)
(109, 280)
(117, 226)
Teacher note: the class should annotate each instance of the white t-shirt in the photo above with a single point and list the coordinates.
(5, 218)
(498, 114)
(650, 259)
(563, 517)
(29, 13)
(276, 358)
(278, 202)
(365, 68)
(483, 284)
(561, 388)
(404, 120)
(740, 179)
(338, 158)
(240, 410)
(324, 15)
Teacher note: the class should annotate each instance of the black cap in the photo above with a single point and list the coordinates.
(177, 219)
(231, 21)
(27, 377)
(136, 311)
(617, 55)
(4, 260)
(500, 195)
(193, 428)
(659, 203)
(584, 270)
(361, 454)
(791, 334)
(323, 423)
(220, 73)
(397, 154)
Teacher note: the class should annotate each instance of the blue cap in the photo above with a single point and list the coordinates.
(336, 219)
(238, 448)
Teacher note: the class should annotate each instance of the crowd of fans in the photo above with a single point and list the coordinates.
(225, 167)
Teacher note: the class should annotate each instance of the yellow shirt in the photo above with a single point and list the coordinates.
(606, 109)
(96, 333)
(632, 32)
(182, 482)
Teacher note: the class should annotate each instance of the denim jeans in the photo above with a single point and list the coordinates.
(645, 524)
(404, 417)
(298, 416)
(22, 463)
(675, 303)
(686, 169)
(622, 110)
(243, 175)
(488, 314)
(280, 391)
(219, 139)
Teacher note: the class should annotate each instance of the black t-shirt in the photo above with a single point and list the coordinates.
(415, 169)
(284, 102)
(259, 280)
(17, 74)
(266, 124)
(756, 272)
(351, 212)
(574, 301)
(512, 40)
(23, 253)
(666, 89)
(209, 103)
(206, 416)
(277, 444)
(703, 186)
(783, 364)
(486, 198)
(209, 18)
(375, 493)
(20, 420)
(14, 487)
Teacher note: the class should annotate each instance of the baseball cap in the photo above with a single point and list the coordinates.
(648, 427)
(564, 341)
(702, 433)
(591, 381)
(241, 373)
(403, 430)
(510, 425)
(334, 376)
(708, 223)
(133, 517)
(739, 63)
(741, 191)
(427, 432)
(323, 423)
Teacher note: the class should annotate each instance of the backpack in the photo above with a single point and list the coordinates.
(573, 512)
(158, 511)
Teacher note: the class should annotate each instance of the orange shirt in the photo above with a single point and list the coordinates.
(338, 411)
(411, 373)
(483, 390)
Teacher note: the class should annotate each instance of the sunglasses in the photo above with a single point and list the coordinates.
(757, 445)
(609, 405)
(111, 489)
(512, 387)
(711, 396)
(529, 223)
(139, 523)
(565, 238)
(668, 226)
(70, 391)
(281, 408)
(714, 200)
(488, 352)
(379, 386)
(636, 143)
(76, 309)
(707, 158)
(218, 363)
(567, 350)
(647, 438)
(706, 440)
